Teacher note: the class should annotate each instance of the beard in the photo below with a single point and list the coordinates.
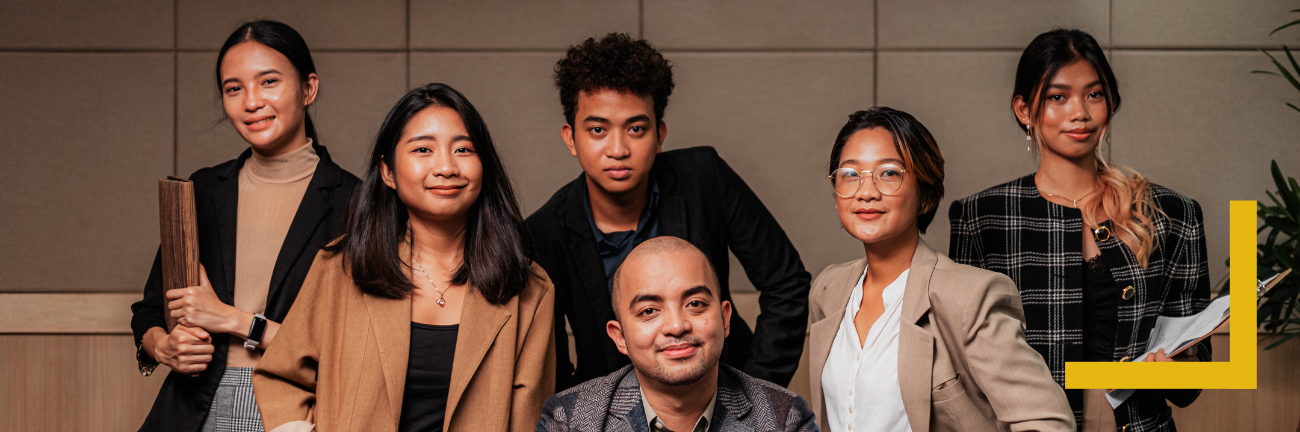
(683, 374)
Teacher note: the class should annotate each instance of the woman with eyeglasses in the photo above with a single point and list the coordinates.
(1100, 250)
(904, 338)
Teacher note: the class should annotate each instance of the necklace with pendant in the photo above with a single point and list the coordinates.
(1076, 201)
(420, 267)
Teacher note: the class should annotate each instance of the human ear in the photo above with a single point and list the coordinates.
(663, 133)
(387, 174)
(566, 134)
(615, 332)
(726, 318)
(1021, 108)
(309, 89)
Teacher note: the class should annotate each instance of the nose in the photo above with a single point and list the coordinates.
(677, 323)
(618, 146)
(253, 100)
(444, 165)
(868, 190)
(1079, 110)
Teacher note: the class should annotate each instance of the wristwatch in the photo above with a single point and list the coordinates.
(147, 364)
(255, 332)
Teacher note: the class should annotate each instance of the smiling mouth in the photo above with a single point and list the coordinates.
(679, 351)
(445, 190)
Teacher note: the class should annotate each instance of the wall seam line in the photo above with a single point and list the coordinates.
(875, 52)
(176, 94)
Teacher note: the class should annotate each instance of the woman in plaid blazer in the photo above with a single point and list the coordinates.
(1097, 251)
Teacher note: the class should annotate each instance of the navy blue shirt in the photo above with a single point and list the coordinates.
(614, 247)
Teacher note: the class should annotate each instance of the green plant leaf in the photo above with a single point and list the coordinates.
(1294, 66)
(1284, 192)
(1285, 73)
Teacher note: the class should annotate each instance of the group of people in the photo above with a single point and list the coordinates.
(418, 297)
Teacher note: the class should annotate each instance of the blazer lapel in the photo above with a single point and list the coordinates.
(672, 208)
(311, 211)
(226, 200)
(915, 344)
(582, 251)
(390, 320)
(480, 324)
(822, 333)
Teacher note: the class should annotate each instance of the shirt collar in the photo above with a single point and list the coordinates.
(651, 205)
(701, 425)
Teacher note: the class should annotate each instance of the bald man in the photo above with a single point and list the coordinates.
(671, 322)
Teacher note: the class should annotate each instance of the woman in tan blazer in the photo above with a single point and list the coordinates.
(427, 314)
(914, 341)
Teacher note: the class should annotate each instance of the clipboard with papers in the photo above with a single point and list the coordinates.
(1177, 334)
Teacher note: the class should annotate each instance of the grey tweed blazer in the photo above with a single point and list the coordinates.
(613, 403)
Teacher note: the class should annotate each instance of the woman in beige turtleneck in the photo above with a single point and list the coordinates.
(261, 219)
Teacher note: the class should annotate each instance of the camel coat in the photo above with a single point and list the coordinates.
(339, 359)
(963, 363)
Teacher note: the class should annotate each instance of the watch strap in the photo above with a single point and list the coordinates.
(255, 332)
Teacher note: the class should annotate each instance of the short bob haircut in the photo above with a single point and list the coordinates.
(498, 251)
(920, 152)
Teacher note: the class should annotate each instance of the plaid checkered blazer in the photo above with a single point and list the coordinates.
(1013, 230)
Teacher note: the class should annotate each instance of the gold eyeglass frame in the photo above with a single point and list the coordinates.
(871, 174)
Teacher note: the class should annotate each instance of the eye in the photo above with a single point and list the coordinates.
(647, 312)
(597, 130)
(696, 304)
(465, 150)
(232, 89)
(270, 81)
(890, 172)
(637, 129)
(1056, 98)
(421, 150)
(1096, 95)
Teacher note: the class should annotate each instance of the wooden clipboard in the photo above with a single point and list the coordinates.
(179, 235)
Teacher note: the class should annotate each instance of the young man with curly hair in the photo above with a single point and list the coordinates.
(614, 91)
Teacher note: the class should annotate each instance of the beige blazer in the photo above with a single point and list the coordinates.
(963, 363)
(339, 359)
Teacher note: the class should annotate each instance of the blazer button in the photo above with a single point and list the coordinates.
(1101, 234)
(1128, 292)
(1125, 429)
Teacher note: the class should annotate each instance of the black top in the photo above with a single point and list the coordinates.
(615, 246)
(1101, 297)
(183, 401)
(703, 201)
(428, 377)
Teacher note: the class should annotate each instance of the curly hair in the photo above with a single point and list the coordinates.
(615, 62)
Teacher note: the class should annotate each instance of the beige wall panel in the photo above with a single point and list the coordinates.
(773, 118)
(324, 24)
(1270, 407)
(1203, 23)
(504, 24)
(71, 24)
(1009, 24)
(517, 98)
(73, 383)
(767, 24)
(1201, 124)
(87, 136)
(356, 91)
(97, 313)
(964, 99)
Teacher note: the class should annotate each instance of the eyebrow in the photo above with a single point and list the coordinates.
(698, 290)
(882, 161)
(595, 119)
(259, 74)
(645, 298)
(456, 138)
(1067, 87)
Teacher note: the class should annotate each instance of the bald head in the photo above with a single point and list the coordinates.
(649, 261)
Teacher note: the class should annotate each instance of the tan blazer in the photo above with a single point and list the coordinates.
(339, 359)
(963, 363)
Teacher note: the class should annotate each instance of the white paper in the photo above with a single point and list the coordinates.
(1173, 333)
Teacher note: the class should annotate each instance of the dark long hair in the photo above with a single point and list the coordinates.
(913, 141)
(498, 250)
(284, 40)
(1123, 191)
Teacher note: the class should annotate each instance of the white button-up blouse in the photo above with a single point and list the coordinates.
(860, 379)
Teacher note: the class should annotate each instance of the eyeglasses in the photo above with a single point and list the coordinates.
(887, 178)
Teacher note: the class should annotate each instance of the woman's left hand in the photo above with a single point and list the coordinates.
(1159, 356)
(198, 306)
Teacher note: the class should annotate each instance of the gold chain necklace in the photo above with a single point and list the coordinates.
(420, 267)
(1076, 201)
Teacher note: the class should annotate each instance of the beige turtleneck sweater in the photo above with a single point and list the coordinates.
(270, 190)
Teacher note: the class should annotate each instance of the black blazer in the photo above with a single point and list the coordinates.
(183, 402)
(1013, 230)
(704, 202)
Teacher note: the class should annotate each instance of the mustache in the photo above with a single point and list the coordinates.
(685, 340)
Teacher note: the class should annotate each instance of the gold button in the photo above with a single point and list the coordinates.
(1128, 292)
(1101, 234)
(1125, 429)
(1124, 359)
